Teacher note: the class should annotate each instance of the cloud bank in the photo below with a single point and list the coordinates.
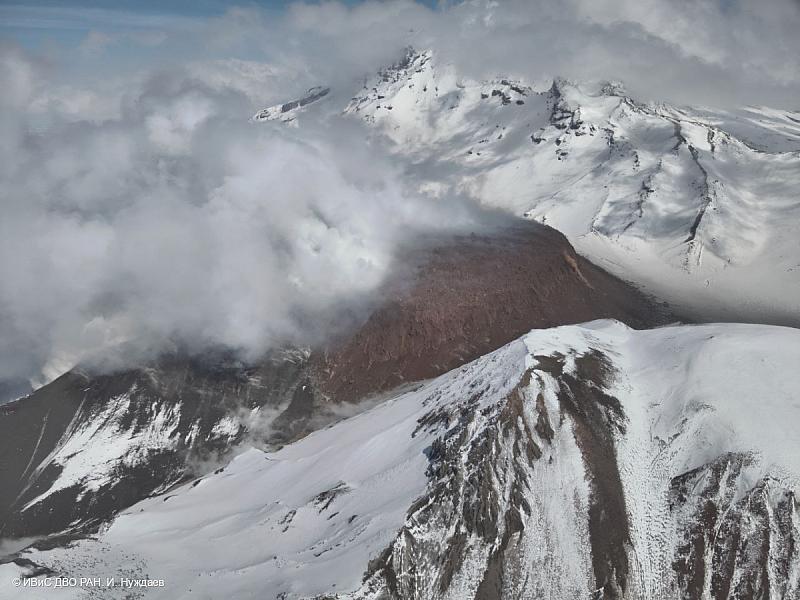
(718, 52)
(179, 222)
(140, 208)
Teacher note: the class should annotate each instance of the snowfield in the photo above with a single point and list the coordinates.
(698, 206)
(499, 475)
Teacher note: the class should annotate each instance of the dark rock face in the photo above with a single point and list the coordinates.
(174, 420)
(312, 95)
(285, 111)
(734, 545)
(469, 296)
(598, 418)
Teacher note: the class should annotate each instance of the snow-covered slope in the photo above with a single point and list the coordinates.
(577, 462)
(699, 206)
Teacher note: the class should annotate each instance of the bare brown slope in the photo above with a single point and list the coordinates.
(470, 296)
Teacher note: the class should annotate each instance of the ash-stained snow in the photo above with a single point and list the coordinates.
(499, 476)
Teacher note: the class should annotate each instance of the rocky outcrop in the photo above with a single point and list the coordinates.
(484, 528)
(738, 539)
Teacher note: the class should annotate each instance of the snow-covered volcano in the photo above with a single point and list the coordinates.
(698, 206)
(581, 461)
(576, 462)
(87, 445)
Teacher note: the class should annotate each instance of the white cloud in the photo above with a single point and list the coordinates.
(179, 222)
(140, 205)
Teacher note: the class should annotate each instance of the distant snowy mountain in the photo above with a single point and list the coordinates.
(288, 111)
(700, 207)
(589, 461)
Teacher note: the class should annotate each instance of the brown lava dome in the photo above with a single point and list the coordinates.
(469, 295)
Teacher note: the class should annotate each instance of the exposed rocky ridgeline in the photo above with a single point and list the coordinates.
(509, 513)
(78, 450)
(589, 461)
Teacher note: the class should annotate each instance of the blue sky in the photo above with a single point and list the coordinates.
(91, 37)
(41, 22)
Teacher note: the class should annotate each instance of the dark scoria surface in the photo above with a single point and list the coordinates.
(472, 295)
(177, 419)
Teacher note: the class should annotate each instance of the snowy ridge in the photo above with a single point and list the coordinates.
(580, 461)
(693, 204)
(288, 111)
